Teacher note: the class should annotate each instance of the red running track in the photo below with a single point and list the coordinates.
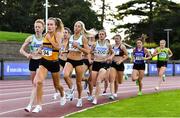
(14, 96)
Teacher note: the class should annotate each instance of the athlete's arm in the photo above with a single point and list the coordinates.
(170, 52)
(148, 54)
(132, 55)
(155, 53)
(58, 38)
(125, 56)
(111, 52)
(24, 47)
(86, 48)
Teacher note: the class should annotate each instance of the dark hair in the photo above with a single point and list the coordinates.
(117, 35)
(69, 31)
(140, 39)
(102, 31)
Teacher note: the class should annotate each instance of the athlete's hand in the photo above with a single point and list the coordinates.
(109, 59)
(48, 36)
(145, 58)
(75, 44)
(90, 61)
(29, 56)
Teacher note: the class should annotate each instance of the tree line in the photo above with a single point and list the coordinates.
(157, 15)
(19, 15)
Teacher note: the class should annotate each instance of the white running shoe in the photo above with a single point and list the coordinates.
(70, 94)
(79, 103)
(104, 93)
(90, 98)
(111, 97)
(164, 77)
(37, 109)
(63, 100)
(28, 108)
(55, 96)
(115, 95)
(94, 101)
(126, 77)
(157, 88)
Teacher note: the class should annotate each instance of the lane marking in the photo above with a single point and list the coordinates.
(175, 87)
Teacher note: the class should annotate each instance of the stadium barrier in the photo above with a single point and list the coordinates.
(20, 68)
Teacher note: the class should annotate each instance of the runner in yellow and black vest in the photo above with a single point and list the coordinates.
(163, 55)
(50, 60)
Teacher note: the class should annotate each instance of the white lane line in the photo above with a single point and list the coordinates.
(24, 89)
(9, 87)
(8, 100)
(83, 98)
(11, 93)
(21, 98)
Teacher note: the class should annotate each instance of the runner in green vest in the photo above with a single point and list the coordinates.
(163, 55)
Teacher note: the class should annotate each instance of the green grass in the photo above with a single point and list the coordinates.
(163, 104)
(13, 36)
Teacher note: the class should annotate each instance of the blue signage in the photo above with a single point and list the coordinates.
(177, 69)
(16, 68)
(153, 69)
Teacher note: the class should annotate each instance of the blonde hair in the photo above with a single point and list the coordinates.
(83, 28)
(58, 23)
(162, 40)
(41, 21)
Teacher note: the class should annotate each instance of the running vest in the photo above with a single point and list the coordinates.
(71, 41)
(101, 51)
(163, 54)
(35, 44)
(139, 56)
(62, 47)
(48, 51)
(118, 51)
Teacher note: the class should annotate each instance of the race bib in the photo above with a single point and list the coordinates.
(62, 48)
(139, 58)
(71, 46)
(101, 51)
(117, 51)
(162, 55)
(46, 51)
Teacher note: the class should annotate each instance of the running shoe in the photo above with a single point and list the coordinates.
(115, 95)
(137, 82)
(55, 96)
(63, 100)
(164, 78)
(156, 88)
(104, 93)
(79, 103)
(37, 109)
(70, 94)
(111, 97)
(90, 98)
(126, 77)
(140, 93)
(94, 101)
(28, 108)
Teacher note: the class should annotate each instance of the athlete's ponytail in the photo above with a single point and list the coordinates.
(58, 23)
